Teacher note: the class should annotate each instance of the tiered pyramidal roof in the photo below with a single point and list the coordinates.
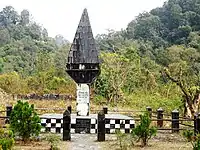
(83, 48)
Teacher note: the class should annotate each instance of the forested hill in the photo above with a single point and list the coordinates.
(155, 48)
(22, 40)
(177, 22)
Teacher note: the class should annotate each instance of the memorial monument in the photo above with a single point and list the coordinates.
(83, 67)
(83, 63)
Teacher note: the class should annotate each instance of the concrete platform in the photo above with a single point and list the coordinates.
(73, 116)
(87, 124)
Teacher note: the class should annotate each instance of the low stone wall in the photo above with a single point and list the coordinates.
(45, 97)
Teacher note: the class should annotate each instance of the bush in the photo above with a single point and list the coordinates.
(143, 132)
(124, 139)
(6, 139)
(24, 121)
(193, 139)
(53, 139)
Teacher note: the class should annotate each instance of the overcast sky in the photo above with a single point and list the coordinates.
(62, 16)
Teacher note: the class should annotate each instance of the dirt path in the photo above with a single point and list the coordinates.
(163, 141)
(84, 142)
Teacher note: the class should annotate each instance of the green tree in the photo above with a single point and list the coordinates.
(4, 37)
(8, 16)
(25, 17)
(24, 121)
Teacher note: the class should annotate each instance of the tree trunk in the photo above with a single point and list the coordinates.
(191, 106)
(191, 98)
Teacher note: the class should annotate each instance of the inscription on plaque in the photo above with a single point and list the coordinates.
(83, 125)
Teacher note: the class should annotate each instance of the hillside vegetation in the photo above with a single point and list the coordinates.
(154, 61)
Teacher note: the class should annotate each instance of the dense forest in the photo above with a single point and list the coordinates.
(155, 60)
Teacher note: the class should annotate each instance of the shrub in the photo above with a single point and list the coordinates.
(193, 139)
(53, 139)
(24, 121)
(6, 139)
(143, 132)
(124, 139)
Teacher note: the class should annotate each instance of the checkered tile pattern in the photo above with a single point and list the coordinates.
(124, 126)
(55, 125)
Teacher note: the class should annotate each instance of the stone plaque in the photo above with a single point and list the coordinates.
(83, 99)
(83, 93)
(83, 125)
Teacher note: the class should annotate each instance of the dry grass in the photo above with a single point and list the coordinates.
(154, 146)
(163, 141)
(42, 145)
(61, 104)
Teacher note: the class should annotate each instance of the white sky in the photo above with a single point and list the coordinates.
(62, 16)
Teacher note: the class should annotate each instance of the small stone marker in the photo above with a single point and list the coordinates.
(66, 126)
(101, 127)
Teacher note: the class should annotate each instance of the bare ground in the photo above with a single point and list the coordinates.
(163, 141)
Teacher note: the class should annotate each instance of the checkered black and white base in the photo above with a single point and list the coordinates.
(55, 125)
(123, 125)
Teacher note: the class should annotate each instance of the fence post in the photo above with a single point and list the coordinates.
(69, 108)
(105, 110)
(149, 109)
(160, 116)
(8, 112)
(175, 123)
(66, 126)
(197, 123)
(101, 127)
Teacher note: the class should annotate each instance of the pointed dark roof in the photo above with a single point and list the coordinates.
(83, 48)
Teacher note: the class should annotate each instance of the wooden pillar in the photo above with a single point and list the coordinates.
(101, 127)
(197, 123)
(69, 108)
(175, 121)
(105, 110)
(8, 113)
(160, 116)
(66, 126)
(149, 109)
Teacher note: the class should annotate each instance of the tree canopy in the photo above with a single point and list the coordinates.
(157, 50)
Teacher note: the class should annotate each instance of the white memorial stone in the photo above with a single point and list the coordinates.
(83, 99)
